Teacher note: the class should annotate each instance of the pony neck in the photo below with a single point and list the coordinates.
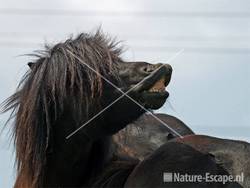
(72, 162)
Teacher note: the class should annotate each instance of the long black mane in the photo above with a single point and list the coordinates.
(57, 79)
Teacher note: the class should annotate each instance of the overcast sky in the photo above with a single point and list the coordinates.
(210, 85)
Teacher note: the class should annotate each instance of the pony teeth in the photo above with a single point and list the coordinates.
(159, 86)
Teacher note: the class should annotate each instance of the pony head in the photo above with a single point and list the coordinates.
(72, 82)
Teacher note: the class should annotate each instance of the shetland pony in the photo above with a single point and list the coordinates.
(68, 86)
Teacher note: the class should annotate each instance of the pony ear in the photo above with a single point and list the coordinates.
(31, 65)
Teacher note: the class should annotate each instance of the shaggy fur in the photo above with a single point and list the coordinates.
(60, 93)
(44, 93)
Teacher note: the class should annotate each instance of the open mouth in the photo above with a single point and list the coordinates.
(154, 92)
(157, 84)
(151, 91)
(155, 96)
(159, 87)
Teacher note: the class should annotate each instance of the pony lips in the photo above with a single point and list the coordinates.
(155, 83)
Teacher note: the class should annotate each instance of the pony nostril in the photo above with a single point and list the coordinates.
(153, 67)
(148, 69)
